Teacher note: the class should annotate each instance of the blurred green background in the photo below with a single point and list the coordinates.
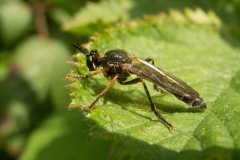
(35, 38)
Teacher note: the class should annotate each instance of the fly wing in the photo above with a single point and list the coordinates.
(159, 77)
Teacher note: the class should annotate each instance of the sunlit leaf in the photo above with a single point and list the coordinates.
(195, 54)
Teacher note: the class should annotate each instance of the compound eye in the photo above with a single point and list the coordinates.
(94, 52)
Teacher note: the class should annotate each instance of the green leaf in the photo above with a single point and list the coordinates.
(104, 13)
(64, 136)
(194, 53)
(42, 63)
(15, 19)
(107, 11)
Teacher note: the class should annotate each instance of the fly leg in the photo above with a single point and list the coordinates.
(153, 107)
(154, 85)
(89, 106)
(103, 92)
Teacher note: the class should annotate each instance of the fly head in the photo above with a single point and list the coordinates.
(93, 60)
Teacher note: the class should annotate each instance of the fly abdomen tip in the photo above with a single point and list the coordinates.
(198, 102)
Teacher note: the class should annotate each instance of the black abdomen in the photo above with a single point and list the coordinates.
(195, 102)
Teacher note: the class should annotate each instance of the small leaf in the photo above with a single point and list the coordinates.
(42, 63)
(12, 26)
(66, 135)
(107, 11)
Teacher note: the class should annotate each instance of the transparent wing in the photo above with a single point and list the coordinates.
(159, 77)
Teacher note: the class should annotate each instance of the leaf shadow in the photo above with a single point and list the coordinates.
(126, 99)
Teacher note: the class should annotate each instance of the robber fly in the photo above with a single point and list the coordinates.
(119, 65)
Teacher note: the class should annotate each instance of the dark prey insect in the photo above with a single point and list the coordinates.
(119, 65)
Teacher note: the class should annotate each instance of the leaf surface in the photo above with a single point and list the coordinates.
(195, 54)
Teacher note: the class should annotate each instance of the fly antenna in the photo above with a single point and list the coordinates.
(80, 48)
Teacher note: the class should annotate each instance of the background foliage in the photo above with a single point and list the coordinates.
(197, 41)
